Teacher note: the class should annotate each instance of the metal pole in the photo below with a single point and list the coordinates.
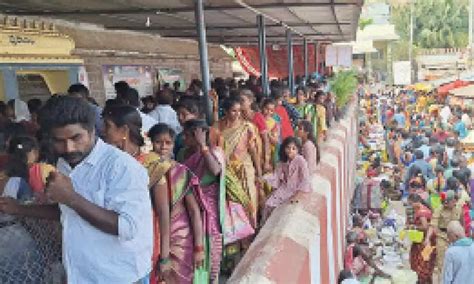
(291, 79)
(470, 32)
(203, 58)
(305, 50)
(410, 50)
(262, 44)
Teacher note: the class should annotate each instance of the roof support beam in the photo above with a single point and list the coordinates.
(77, 12)
(241, 27)
(252, 37)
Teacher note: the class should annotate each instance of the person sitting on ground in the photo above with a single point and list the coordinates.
(459, 258)
(359, 261)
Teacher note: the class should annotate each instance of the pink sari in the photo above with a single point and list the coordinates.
(213, 199)
(181, 181)
(288, 178)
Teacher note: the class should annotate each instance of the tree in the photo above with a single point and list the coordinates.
(438, 23)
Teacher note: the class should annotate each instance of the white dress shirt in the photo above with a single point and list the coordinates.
(115, 181)
(147, 121)
(166, 114)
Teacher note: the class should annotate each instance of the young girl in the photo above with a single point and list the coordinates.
(182, 215)
(310, 149)
(290, 176)
(307, 110)
(24, 156)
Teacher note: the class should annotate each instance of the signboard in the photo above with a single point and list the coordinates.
(339, 55)
(137, 76)
(402, 73)
(82, 76)
(170, 75)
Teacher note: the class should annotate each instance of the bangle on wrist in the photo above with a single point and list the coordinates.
(198, 248)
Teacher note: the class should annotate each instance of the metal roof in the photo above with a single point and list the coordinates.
(231, 22)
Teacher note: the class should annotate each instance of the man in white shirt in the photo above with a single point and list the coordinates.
(445, 114)
(101, 196)
(164, 113)
(132, 98)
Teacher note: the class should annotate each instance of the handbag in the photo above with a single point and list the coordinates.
(237, 225)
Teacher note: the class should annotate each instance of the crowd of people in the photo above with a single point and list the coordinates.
(425, 161)
(146, 189)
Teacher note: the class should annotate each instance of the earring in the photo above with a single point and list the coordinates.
(124, 138)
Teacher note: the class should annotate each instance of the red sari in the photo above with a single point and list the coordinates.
(424, 269)
(286, 128)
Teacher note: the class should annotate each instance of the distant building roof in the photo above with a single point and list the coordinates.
(377, 33)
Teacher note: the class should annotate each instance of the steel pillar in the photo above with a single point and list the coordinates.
(305, 51)
(291, 75)
(203, 57)
(262, 44)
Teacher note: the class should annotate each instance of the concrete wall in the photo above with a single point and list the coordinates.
(303, 242)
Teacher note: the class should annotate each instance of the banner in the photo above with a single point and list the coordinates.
(402, 73)
(137, 76)
(249, 59)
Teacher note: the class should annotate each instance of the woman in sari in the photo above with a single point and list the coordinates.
(178, 238)
(187, 109)
(421, 221)
(240, 150)
(207, 163)
(307, 110)
(272, 131)
(257, 120)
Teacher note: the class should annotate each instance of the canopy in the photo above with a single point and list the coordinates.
(248, 57)
(421, 87)
(230, 22)
(464, 92)
(445, 89)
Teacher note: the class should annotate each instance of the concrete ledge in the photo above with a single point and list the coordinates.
(303, 242)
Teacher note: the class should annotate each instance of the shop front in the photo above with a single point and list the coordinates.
(35, 60)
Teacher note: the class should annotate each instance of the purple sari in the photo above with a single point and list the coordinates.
(181, 182)
(213, 196)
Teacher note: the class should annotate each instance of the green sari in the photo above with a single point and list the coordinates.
(309, 110)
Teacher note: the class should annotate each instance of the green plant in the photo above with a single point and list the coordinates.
(364, 23)
(343, 85)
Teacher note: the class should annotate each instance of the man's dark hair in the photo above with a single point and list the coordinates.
(419, 154)
(121, 87)
(131, 97)
(190, 104)
(60, 111)
(165, 97)
(78, 89)
(277, 94)
(159, 129)
(34, 105)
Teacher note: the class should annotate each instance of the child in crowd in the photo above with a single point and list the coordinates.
(290, 176)
(310, 149)
(24, 156)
